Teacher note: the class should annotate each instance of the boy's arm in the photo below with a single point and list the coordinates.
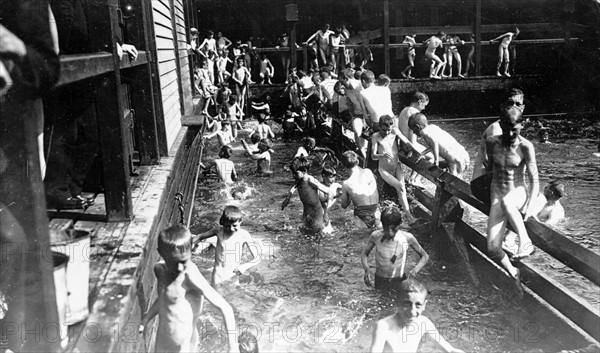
(200, 283)
(288, 197)
(234, 175)
(480, 159)
(379, 337)
(501, 36)
(270, 132)
(256, 257)
(424, 258)
(374, 143)
(434, 334)
(312, 181)
(345, 198)
(534, 182)
(364, 258)
(433, 146)
(210, 233)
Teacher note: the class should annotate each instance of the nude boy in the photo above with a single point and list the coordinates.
(436, 63)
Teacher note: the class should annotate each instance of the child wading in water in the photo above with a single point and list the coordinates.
(230, 242)
(180, 289)
(225, 167)
(328, 199)
(308, 188)
(404, 330)
(262, 156)
(391, 245)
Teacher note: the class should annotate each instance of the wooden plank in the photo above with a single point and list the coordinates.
(192, 120)
(74, 68)
(490, 28)
(480, 83)
(562, 299)
(145, 115)
(57, 226)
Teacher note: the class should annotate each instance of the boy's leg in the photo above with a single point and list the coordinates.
(500, 59)
(449, 55)
(496, 230)
(511, 203)
(397, 182)
(458, 63)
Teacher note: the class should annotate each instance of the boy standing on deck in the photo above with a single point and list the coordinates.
(441, 143)
(508, 156)
(230, 242)
(404, 330)
(503, 53)
(436, 63)
(181, 287)
(410, 55)
(391, 245)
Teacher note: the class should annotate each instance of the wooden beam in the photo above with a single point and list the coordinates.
(468, 84)
(386, 36)
(491, 28)
(478, 38)
(292, 49)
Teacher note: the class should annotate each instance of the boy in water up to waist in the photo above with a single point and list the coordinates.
(180, 290)
(391, 245)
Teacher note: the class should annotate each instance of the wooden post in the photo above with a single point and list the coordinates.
(305, 59)
(292, 41)
(386, 36)
(478, 38)
(26, 261)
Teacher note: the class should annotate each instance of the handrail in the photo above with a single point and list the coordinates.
(575, 256)
(78, 67)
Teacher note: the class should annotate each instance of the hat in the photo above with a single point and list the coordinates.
(193, 30)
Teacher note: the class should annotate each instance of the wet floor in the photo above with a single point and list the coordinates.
(308, 295)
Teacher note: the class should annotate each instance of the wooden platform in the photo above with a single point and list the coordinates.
(122, 254)
(479, 83)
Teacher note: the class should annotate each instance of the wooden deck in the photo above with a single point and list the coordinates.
(122, 254)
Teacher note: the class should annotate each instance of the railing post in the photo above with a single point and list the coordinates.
(305, 59)
(386, 36)
(478, 38)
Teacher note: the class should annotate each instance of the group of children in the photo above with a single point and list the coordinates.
(506, 154)
(449, 46)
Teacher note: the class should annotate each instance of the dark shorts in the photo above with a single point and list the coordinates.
(367, 214)
(389, 284)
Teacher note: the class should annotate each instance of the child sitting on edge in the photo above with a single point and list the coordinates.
(441, 143)
(230, 246)
(180, 288)
(225, 167)
(262, 156)
(404, 330)
(308, 187)
(391, 245)
(262, 129)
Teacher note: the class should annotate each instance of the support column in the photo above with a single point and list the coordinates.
(293, 58)
(478, 38)
(386, 36)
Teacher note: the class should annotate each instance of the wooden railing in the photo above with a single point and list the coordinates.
(572, 254)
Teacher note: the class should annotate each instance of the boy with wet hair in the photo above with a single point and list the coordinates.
(503, 53)
(262, 156)
(262, 129)
(230, 241)
(224, 135)
(441, 143)
(234, 114)
(384, 148)
(391, 245)
(308, 187)
(552, 211)
(225, 167)
(361, 190)
(508, 156)
(181, 288)
(404, 330)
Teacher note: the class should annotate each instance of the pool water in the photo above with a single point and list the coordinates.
(307, 293)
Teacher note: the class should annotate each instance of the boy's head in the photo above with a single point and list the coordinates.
(329, 173)
(225, 152)
(383, 80)
(210, 34)
(261, 118)
(357, 74)
(309, 143)
(175, 244)
(264, 145)
(513, 97)
(391, 217)
(517, 31)
(300, 166)
(339, 88)
(554, 190)
(350, 159)
(248, 343)
(441, 35)
(255, 138)
(419, 100)
(417, 122)
(240, 62)
(225, 124)
(325, 72)
(346, 116)
(511, 123)
(367, 77)
(231, 219)
(411, 300)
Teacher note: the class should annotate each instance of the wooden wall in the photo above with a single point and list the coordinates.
(169, 29)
